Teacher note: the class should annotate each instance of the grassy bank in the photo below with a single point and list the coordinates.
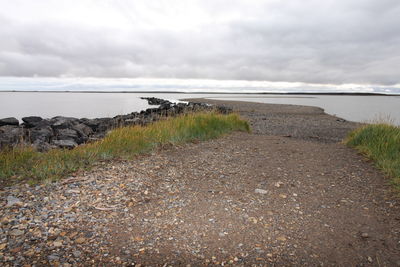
(381, 143)
(24, 163)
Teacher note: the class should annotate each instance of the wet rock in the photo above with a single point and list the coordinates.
(9, 121)
(31, 121)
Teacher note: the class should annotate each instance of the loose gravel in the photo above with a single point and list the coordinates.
(242, 200)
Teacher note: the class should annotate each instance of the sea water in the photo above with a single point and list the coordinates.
(95, 105)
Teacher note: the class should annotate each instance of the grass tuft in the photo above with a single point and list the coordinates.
(381, 143)
(24, 163)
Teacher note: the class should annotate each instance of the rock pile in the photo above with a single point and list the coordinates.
(68, 132)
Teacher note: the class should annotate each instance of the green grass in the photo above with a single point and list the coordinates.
(26, 164)
(381, 143)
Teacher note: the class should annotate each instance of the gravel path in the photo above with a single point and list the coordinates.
(245, 199)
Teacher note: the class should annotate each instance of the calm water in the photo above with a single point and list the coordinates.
(92, 105)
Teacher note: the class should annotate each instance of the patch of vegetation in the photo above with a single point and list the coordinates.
(24, 163)
(381, 143)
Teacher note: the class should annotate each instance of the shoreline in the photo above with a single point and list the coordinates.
(295, 121)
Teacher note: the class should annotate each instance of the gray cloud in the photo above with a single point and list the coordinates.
(350, 41)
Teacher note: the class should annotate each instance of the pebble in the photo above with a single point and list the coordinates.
(281, 238)
(13, 201)
(80, 240)
(57, 244)
(261, 191)
(76, 254)
(16, 232)
(364, 235)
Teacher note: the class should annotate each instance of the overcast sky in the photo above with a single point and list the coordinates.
(310, 41)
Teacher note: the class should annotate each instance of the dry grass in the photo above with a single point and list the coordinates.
(381, 143)
(24, 163)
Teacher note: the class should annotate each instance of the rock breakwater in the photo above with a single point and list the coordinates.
(69, 132)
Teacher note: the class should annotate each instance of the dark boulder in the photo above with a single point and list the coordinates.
(165, 106)
(155, 101)
(41, 146)
(41, 133)
(31, 121)
(67, 134)
(223, 110)
(11, 135)
(105, 124)
(133, 121)
(82, 129)
(69, 144)
(61, 122)
(9, 121)
(92, 123)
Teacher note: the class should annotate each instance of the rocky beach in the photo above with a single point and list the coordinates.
(289, 193)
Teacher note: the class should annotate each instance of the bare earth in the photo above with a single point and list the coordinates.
(287, 194)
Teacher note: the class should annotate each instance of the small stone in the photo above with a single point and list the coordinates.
(57, 243)
(261, 191)
(364, 235)
(281, 238)
(3, 246)
(53, 257)
(158, 214)
(370, 259)
(16, 232)
(282, 196)
(80, 240)
(11, 201)
(76, 254)
(279, 184)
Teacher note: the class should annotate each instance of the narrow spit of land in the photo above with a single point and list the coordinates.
(287, 194)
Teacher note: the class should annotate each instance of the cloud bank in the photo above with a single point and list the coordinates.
(335, 42)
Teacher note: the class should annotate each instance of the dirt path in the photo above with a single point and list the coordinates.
(245, 199)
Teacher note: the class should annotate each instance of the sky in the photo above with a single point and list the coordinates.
(330, 42)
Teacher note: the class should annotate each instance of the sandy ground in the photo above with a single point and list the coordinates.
(287, 194)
